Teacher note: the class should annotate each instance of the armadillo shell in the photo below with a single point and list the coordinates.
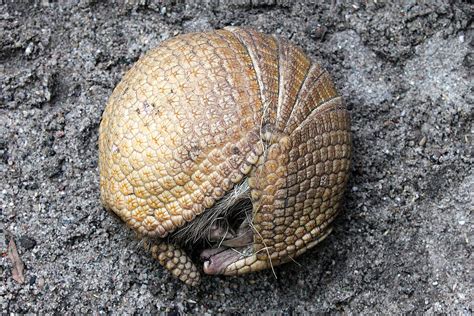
(203, 111)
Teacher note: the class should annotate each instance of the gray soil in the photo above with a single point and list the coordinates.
(403, 243)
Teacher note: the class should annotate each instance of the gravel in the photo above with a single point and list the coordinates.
(404, 241)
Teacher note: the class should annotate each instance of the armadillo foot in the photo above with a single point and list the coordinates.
(176, 261)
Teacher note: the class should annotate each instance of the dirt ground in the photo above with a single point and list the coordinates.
(403, 243)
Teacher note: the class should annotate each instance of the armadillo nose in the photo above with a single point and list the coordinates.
(217, 262)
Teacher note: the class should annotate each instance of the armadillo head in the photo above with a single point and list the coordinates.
(224, 231)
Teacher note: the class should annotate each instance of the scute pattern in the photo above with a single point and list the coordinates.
(176, 261)
(294, 66)
(205, 111)
(305, 179)
(264, 53)
(179, 131)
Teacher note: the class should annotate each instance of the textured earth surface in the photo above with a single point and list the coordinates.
(404, 240)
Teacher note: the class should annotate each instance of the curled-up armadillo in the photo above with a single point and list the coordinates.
(230, 144)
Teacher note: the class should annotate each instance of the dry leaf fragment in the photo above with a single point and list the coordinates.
(18, 266)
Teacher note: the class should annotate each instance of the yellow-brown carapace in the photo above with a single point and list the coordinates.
(231, 143)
